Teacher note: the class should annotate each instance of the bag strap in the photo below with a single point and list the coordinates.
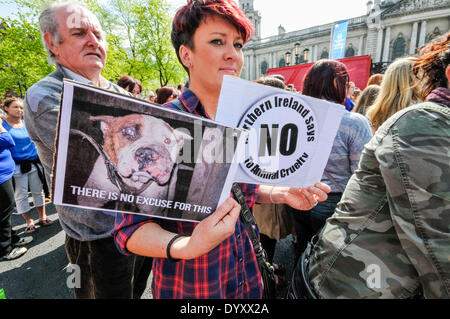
(249, 221)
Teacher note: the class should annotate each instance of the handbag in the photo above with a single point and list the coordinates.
(266, 269)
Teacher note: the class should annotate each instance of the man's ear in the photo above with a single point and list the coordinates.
(185, 55)
(50, 41)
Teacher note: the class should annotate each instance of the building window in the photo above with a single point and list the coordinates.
(399, 47)
(264, 67)
(282, 63)
(324, 54)
(350, 52)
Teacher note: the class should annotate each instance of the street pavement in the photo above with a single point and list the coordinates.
(41, 273)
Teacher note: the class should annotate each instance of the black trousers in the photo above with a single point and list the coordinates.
(105, 273)
(309, 223)
(8, 236)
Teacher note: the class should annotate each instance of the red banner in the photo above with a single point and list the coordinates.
(357, 67)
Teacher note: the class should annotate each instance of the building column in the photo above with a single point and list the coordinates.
(251, 66)
(316, 53)
(310, 59)
(360, 46)
(379, 44)
(257, 67)
(412, 46)
(423, 33)
(387, 41)
(247, 67)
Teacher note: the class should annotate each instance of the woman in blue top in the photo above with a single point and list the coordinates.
(28, 173)
(329, 80)
(9, 241)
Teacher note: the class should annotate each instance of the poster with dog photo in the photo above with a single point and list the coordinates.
(122, 154)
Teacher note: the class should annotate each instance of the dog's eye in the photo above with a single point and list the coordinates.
(167, 140)
(129, 132)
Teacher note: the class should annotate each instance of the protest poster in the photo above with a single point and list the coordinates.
(290, 135)
(122, 154)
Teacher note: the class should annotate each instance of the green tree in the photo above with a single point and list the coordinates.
(138, 35)
(23, 60)
(139, 41)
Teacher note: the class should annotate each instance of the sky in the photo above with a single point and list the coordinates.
(301, 14)
(291, 14)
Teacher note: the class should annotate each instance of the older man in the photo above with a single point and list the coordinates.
(75, 42)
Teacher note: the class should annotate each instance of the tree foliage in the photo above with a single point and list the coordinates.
(139, 41)
(138, 35)
(23, 60)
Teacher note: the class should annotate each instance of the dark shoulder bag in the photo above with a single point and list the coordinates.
(265, 268)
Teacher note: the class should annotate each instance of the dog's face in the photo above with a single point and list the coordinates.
(142, 147)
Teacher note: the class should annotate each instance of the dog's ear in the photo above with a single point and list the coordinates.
(181, 135)
(105, 122)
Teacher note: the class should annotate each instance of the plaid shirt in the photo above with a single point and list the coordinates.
(229, 271)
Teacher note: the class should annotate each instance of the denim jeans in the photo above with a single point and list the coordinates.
(106, 273)
(308, 223)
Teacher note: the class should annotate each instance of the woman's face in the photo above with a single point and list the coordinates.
(15, 110)
(217, 52)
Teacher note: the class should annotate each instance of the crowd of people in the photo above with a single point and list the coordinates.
(383, 200)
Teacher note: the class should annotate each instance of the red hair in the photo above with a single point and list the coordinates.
(188, 18)
(431, 64)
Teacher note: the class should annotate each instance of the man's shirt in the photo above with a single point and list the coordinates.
(41, 110)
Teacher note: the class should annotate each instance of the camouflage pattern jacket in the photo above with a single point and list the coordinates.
(390, 235)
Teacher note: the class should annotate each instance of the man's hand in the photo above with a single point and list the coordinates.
(210, 232)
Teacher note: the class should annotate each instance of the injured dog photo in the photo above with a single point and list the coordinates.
(127, 157)
(138, 158)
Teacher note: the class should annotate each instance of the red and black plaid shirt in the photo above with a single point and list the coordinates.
(230, 271)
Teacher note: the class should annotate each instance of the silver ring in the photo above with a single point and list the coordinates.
(315, 204)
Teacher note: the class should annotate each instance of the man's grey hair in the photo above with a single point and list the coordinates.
(48, 23)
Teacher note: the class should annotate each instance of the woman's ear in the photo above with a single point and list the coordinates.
(185, 56)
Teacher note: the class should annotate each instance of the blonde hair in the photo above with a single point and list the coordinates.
(366, 99)
(397, 91)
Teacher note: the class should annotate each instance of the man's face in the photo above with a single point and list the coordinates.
(81, 47)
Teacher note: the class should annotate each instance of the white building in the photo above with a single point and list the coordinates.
(389, 30)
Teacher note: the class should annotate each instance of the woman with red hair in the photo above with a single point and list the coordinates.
(215, 258)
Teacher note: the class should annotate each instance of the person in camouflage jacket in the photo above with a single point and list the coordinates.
(390, 236)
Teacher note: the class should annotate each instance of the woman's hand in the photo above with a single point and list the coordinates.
(151, 240)
(307, 198)
(298, 198)
(209, 233)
